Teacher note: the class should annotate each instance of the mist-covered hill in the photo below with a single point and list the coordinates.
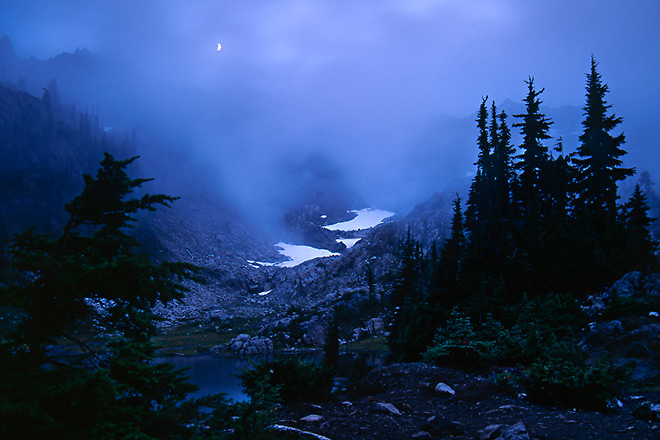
(226, 220)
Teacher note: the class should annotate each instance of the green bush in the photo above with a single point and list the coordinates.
(457, 343)
(289, 379)
(565, 381)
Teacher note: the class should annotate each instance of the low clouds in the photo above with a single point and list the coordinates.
(359, 83)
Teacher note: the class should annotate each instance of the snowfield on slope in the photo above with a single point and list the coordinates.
(297, 254)
(365, 219)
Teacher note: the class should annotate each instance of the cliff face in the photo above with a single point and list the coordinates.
(41, 162)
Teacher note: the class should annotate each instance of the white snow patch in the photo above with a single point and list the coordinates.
(265, 293)
(348, 242)
(299, 254)
(366, 219)
(258, 264)
(324, 216)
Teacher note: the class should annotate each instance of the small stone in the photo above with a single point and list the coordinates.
(504, 409)
(387, 408)
(312, 418)
(490, 432)
(443, 388)
(421, 435)
(515, 432)
(346, 403)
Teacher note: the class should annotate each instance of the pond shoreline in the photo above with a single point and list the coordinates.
(219, 372)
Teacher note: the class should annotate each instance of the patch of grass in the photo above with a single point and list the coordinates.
(372, 344)
(188, 343)
(195, 337)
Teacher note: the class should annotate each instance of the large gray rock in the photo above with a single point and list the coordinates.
(443, 388)
(245, 345)
(373, 327)
(315, 331)
(635, 284)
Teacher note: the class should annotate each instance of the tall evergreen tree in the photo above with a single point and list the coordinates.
(502, 164)
(451, 252)
(598, 155)
(534, 158)
(479, 205)
(641, 247)
(92, 278)
(406, 296)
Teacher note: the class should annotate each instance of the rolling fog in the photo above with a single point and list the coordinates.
(372, 101)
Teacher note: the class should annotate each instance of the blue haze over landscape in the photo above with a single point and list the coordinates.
(379, 96)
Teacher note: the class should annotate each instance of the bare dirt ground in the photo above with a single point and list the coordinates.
(477, 404)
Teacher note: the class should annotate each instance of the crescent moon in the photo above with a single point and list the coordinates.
(219, 47)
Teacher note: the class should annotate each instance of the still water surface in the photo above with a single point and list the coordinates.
(219, 374)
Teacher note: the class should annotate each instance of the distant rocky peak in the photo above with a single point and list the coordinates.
(7, 53)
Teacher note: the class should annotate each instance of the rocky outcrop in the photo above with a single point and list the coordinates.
(636, 284)
(245, 345)
(373, 327)
(622, 326)
(315, 331)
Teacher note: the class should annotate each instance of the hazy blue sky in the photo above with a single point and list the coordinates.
(358, 81)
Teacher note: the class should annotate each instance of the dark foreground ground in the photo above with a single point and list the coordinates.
(476, 405)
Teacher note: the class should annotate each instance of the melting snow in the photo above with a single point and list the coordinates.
(298, 254)
(348, 242)
(258, 264)
(366, 219)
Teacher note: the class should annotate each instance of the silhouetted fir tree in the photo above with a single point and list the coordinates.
(479, 206)
(331, 346)
(600, 234)
(558, 182)
(502, 168)
(534, 130)
(405, 298)
(451, 251)
(598, 155)
(640, 245)
(443, 292)
(471, 210)
(653, 199)
(91, 274)
(411, 321)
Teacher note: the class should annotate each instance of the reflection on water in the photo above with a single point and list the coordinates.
(218, 374)
(213, 374)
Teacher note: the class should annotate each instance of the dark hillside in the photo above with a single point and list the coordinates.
(41, 160)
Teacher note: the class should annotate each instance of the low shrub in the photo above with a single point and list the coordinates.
(289, 379)
(457, 343)
(570, 382)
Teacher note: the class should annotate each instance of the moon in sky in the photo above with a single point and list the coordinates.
(219, 47)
